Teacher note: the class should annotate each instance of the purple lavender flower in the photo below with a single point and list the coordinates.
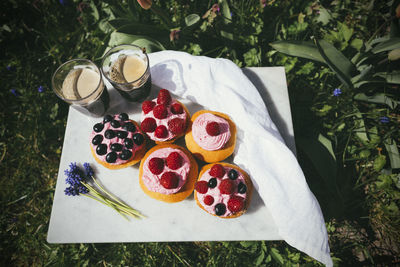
(71, 191)
(384, 119)
(15, 92)
(40, 89)
(75, 177)
(337, 92)
(88, 170)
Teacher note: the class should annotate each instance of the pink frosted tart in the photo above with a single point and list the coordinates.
(168, 173)
(223, 190)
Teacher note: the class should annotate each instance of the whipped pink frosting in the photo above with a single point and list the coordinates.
(215, 193)
(164, 121)
(152, 181)
(206, 141)
(108, 142)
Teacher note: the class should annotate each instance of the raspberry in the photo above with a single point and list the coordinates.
(148, 125)
(235, 204)
(217, 171)
(208, 200)
(161, 131)
(160, 112)
(163, 97)
(169, 180)
(226, 187)
(212, 128)
(174, 161)
(147, 106)
(177, 108)
(177, 126)
(156, 165)
(201, 187)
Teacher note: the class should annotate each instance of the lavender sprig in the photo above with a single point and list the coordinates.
(79, 184)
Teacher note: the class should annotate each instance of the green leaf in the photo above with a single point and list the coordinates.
(380, 98)
(324, 16)
(361, 131)
(260, 258)
(394, 54)
(356, 43)
(150, 44)
(392, 77)
(388, 45)
(342, 66)
(345, 31)
(226, 11)
(379, 162)
(94, 12)
(393, 153)
(246, 244)
(303, 49)
(276, 256)
(192, 19)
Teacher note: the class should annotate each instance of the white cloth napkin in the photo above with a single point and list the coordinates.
(219, 85)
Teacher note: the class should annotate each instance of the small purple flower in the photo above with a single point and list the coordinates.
(75, 177)
(41, 89)
(71, 191)
(15, 92)
(63, 2)
(384, 119)
(337, 92)
(88, 170)
(10, 68)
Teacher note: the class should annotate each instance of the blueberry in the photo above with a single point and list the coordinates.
(129, 126)
(115, 124)
(125, 155)
(98, 127)
(138, 139)
(111, 157)
(97, 139)
(122, 134)
(220, 209)
(212, 183)
(109, 134)
(101, 149)
(123, 117)
(232, 174)
(116, 147)
(107, 118)
(242, 188)
(128, 143)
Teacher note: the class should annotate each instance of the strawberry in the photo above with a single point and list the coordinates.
(177, 108)
(174, 161)
(208, 200)
(147, 106)
(160, 112)
(217, 171)
(235, 204)
(161, 131)
(212, 128)
(226, 187)
(156, 165)
(169, 180)
(201, 187)
(163, 97)
(177, 126)
(148, 125)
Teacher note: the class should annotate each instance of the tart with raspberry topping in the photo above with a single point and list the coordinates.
(211, 136)
(223, 190)
(164, 119)
(117, 142)
(168, 173)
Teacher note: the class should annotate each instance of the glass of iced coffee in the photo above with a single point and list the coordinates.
(79, 82)
(128, 70)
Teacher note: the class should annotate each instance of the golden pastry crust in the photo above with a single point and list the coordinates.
(185, 191)
(206, 155)
(182, 134)
(138, 154)
(249, 191)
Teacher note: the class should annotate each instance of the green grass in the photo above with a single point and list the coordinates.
(360, 203)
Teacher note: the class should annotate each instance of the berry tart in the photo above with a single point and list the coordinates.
(168, 173)
(117, 142)
(164, 119)
(223, 190)
(211, 136)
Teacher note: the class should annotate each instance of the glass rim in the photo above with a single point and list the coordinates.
(83, 98)
(111, 50)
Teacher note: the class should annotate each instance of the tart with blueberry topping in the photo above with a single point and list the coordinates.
(211, 136)
(168, 173)
(117, 142)
(164, 119)
(223, 190)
